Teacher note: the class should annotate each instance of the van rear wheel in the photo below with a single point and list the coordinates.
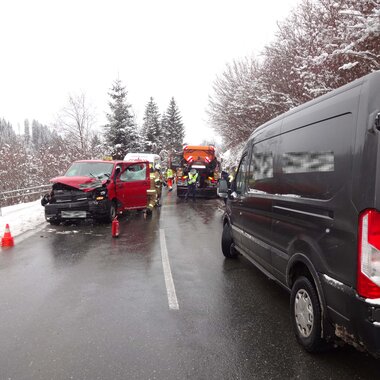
(306, 315)
(228, 246)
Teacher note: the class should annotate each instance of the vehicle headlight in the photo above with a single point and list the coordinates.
(100, 194)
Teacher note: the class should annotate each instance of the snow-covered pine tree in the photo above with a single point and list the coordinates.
(26, 132)
(151, 129)
(121, 132)
(7, 134)
(41, 134)
(173, 129)
(97, 147)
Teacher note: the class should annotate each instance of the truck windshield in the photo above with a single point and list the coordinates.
(90, 169)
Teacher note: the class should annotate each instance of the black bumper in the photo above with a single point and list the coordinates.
(207, 192)
(356, 320)
(92, 209)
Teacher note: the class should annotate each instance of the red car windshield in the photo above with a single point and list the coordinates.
(90, 169)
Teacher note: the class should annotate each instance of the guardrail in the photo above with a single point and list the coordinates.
(29, 194)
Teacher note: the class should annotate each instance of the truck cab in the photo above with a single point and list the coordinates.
(204, 160)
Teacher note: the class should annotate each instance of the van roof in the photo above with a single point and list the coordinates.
(319, 99)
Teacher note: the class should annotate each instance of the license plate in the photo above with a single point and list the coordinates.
(73, 214)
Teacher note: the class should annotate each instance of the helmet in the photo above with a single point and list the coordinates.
(158, 166)
(193, 171)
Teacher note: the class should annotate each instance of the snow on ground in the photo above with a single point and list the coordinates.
(22, 218)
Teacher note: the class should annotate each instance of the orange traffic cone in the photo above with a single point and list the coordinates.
(7, 239)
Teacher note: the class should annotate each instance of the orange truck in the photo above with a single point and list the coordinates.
(204, 160)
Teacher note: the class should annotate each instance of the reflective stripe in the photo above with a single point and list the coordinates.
(192, 178)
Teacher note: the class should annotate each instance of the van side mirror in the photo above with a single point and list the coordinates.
(222, 188)
(233, 195)
(377, 121)
(116, 173)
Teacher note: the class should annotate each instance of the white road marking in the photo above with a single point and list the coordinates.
(170, 289)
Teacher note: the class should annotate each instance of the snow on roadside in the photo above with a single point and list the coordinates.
(22, 217)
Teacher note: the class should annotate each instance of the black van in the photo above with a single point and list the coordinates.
(305, 209)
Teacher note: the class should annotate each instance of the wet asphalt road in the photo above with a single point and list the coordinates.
(77, 304)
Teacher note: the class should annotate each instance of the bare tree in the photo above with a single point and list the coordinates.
(76, 121)
(322, 45)
(235, 107)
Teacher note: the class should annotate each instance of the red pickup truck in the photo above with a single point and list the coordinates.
(97, 189)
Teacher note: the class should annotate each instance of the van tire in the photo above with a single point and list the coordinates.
(306, 315)
(228, 246)
(111, 212)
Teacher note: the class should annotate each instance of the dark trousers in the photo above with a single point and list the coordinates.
(191, 191)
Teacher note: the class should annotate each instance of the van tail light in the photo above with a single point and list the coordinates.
(368, 280)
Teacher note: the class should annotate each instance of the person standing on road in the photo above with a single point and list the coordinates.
(191, 184)
(169, 178)
(158, 184)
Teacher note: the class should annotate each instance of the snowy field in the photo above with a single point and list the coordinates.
(22, 218)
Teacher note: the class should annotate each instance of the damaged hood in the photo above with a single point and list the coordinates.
(81, 183)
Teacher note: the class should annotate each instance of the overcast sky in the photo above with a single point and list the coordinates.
(159, 48)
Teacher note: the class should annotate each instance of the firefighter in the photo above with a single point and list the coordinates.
(169, 178)
(158, 184)
(152, 193)
(192, 184)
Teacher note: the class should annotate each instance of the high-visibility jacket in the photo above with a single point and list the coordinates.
(192, 178)
(169, 173)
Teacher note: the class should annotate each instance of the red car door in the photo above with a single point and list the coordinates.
(133, 184)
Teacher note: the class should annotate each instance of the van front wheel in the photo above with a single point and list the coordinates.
(111, 214)
(306, 315)
(228, 246)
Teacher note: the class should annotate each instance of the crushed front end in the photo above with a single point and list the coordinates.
(66, 202)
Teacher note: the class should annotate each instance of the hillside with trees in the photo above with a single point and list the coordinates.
(42, 152)
(322, 45)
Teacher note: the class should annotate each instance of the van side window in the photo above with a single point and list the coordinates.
(307, 162)
(241, 175)
(261, 168)
(315, 161)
